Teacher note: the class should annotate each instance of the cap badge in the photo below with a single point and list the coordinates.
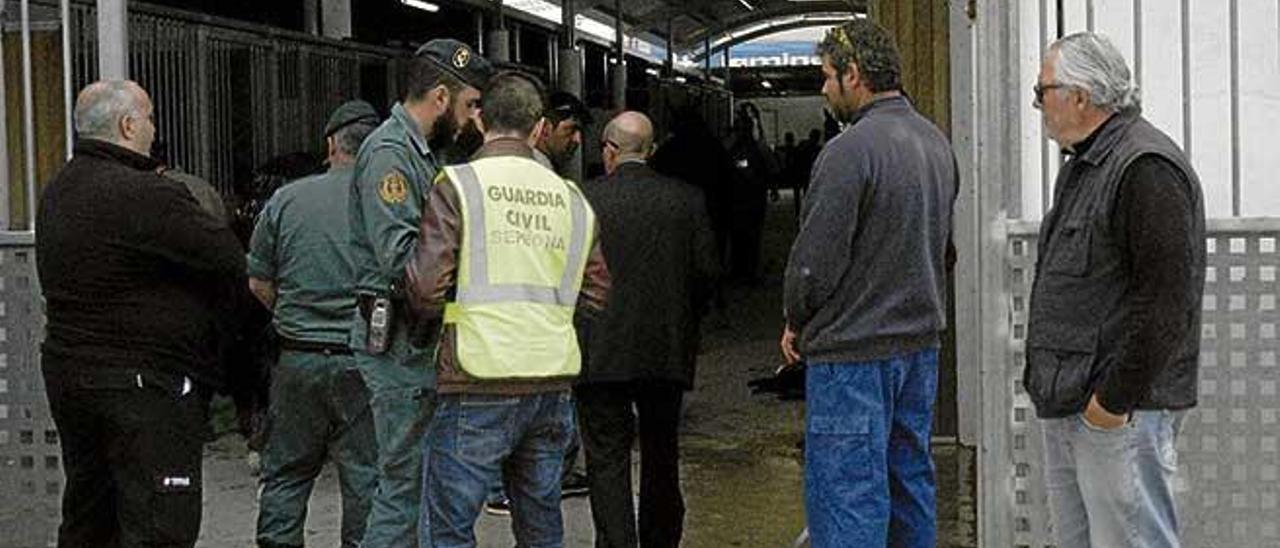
(461, 57)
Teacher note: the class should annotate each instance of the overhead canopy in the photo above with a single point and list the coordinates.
(726, 22)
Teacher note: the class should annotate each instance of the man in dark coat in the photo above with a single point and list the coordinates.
(641, 350)
(131, 270)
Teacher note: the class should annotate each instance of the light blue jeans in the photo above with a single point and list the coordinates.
(1113, 488)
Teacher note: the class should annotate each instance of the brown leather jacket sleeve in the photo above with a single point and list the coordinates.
(432, 271)
(596, 281)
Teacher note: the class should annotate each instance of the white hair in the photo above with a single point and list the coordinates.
(1090, 62)
(102, 104)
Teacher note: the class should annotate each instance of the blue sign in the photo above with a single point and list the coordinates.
(771, 54)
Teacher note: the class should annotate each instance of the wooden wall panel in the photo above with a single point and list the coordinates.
(49, 115)
(921, 29)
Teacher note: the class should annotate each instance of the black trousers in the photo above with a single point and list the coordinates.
(132, 457)
(609, 414)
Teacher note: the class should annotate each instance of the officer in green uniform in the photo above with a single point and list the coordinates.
(300, 266)
(394, 169)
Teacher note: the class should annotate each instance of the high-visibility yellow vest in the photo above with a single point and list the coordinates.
(525, 236)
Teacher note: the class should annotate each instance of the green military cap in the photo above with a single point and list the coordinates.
(349, 113)
(458, 59)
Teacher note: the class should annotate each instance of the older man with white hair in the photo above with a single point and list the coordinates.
(1113, 339)
(130, 267)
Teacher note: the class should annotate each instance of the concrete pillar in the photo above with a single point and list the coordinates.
(569, 74)
(497, 40)
(336, 16)
(620, 67)
(706, 57)
(517, 55)
(311, 17)
(727, 71)
(498, 46)
(553, 61)
(113, 39)
(670, 64)
(569, 58)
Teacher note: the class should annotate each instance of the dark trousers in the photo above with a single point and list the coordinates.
(609, 414)
(132, 457)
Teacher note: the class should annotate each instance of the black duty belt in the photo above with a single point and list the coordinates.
(328, 349)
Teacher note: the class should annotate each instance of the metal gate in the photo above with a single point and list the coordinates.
(228, 95)
(1228, 482)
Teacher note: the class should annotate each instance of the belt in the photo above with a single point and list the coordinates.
(119, 378)
(328, 349)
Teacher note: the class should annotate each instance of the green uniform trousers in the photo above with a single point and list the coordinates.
(402, 397)
(319, 411)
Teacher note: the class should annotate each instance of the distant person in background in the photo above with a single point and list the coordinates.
(200, 189)
(786, 159)
(753, 168)
(696, 156)
(131, 269)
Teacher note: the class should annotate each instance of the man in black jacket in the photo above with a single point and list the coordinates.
(641, 350)
(1113, 337)
(130, 267)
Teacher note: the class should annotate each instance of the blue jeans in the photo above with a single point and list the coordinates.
(570, 457)
(1113, 488)
(868, 474)
(474, 440)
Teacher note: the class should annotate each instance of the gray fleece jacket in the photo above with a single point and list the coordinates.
(867, 273)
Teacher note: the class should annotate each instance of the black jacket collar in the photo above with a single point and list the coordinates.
(1097, 146)
(115, 153)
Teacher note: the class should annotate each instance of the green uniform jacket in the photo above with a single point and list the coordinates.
(393, 171)
(302, 244)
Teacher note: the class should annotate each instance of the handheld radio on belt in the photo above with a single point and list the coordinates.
(380, 318)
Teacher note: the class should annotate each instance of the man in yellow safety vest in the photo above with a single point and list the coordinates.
(507, 255)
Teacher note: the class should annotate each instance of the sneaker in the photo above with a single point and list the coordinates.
(500, 507)
(575, 485)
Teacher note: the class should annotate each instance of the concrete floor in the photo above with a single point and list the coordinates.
(741, 467)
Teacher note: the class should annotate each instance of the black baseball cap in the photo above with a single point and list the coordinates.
(563, 105)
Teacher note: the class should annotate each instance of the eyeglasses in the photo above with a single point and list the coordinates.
(1039, 90)
(607, 144)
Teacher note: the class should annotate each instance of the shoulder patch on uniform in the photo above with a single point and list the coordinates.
(394, 188)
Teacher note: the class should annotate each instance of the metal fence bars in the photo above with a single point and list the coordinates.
(30, 459)
(1228, 481)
